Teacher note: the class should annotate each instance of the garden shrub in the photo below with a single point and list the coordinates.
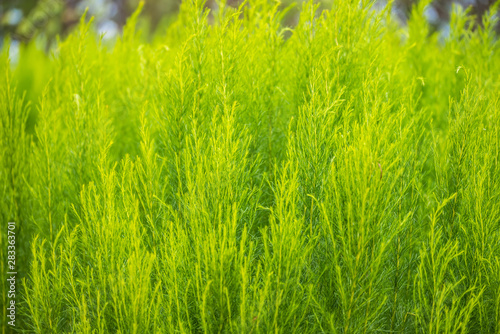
(234, 175)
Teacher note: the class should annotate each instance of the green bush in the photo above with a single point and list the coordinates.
(232, 175)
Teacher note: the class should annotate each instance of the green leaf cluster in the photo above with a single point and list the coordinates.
(233, 175)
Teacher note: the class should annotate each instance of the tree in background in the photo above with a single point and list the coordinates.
(24, 19)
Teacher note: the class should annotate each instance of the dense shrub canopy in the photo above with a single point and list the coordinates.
(233, 175)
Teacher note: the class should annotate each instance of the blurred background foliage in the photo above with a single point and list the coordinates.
(35, 26)
(24, 20)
